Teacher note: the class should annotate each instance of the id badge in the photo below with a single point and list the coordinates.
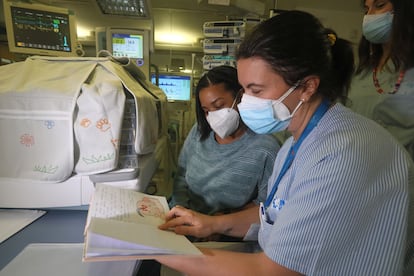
(262, 214)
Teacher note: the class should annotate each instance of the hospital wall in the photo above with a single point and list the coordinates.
(347, 24)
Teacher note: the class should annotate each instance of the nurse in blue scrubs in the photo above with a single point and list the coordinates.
(338, 201)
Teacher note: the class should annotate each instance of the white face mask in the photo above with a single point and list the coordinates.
(225, 121)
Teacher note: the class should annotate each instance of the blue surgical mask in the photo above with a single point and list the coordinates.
(376, 28)
(266, 116)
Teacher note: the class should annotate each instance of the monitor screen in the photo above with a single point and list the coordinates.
(36, 29)
(128, 45)
(132, 43)
(177, 87)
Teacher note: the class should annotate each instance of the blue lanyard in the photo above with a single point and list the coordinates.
(320, 111)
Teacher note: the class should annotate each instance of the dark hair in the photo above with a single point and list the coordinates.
(369, 56)
(296, 45)
(402, 34)
(225, 75)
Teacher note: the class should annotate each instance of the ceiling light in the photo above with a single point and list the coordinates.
(136, 8)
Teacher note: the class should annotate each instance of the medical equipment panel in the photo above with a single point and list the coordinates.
(224, 29)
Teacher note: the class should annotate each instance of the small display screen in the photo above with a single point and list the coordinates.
(41, 29)
(176, 87)
(128, 45)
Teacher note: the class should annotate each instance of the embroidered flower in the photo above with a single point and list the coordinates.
(27, 140)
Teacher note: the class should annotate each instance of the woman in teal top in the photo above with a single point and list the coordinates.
(383, 87)
(223, 166)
